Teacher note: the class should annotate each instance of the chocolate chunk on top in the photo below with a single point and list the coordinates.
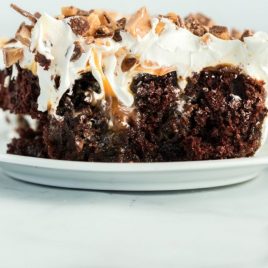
(79, 25)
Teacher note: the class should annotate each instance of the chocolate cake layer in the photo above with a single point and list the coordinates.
(19, 95)
(221, 116)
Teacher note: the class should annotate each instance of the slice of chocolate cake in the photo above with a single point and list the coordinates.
(135, 89)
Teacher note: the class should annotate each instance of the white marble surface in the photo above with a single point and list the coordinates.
(47, 227)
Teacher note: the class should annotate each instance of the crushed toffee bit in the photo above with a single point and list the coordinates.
(24, 13)
(71, 11)
(176, 19)
(193, 25)
(203, 20)
(220, 32)
(42, 60)
(12, 55)
(78, 50)
(79, 25)
(205, 39)
(160, 27)
(10, 41)
(85, 13)
(235, 34)
(121, 24)
(103, 31)
(117, 36)
(24, 34)
(37, 15)
(107, 19)
(245, 34)
(94, 23)
(128, 63)
(139, 24)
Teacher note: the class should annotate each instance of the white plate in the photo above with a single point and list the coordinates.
(134, 176)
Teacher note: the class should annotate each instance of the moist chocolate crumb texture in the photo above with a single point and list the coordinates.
(140, 88)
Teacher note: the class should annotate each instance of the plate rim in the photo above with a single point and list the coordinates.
(34, 162)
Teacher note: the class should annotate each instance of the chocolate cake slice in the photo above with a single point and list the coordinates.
(140, 88)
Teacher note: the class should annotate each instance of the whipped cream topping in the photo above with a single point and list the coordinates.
(173, 49)
(2, 64)
(10, 122)
(55, 40)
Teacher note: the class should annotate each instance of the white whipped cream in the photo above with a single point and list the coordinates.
(174, 48)
(55, 40)
(9, 124)
(15, 72)
(2, 64)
